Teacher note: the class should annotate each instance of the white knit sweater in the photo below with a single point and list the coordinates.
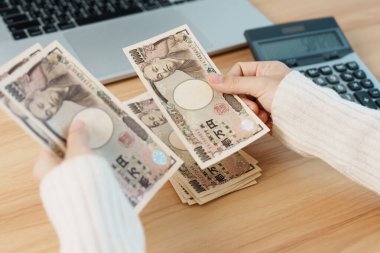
(315, 121)
(90, 213)
(88, 209)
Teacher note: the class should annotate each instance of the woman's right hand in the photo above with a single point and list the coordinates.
(259, 80)
(77, 144)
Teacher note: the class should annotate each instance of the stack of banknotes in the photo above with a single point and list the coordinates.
(192, 184)
(181, 130)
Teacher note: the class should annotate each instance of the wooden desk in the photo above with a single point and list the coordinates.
(299, 205)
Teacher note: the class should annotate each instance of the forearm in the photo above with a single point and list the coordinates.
(315, 121)
(88, 209)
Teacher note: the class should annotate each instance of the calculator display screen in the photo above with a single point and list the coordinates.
(301, 45)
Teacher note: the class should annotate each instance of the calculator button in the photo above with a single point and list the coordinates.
(340, 89)
(366, 83)
(360, 74)
(320, 81)
(333, 79)
(378, 102)
(364, 99)
(348, 97)
(291, 63)
(352, 65)
(340, 67)
(312, 72)
(347, 77)
(354, 86)
(375, 93)
(325, 70)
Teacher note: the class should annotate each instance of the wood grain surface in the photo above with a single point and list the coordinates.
(299, 205)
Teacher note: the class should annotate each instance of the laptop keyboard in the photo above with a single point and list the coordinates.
(349, 81)
(33, 18)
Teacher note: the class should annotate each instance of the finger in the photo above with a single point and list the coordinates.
(244, 69)
(269, 124)
(78, 140)
(254, 86)
(263, 115)
(45, 162)
(259, 68)
(252, 105)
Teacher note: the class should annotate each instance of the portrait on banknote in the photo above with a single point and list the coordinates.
(151, 117)
(47, 89)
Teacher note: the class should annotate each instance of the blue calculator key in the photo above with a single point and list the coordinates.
(340, 67)
(325, 70)
(352, 65)
(333, 79)
(348, 97)
(375, 93)
(360, 74)
(347, 77)
(354, 86)
(320, 81)
(365, 99)
(340, 89)
(312, 72)
(366, 83)
(291, 63)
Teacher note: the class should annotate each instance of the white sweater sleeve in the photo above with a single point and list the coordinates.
(315, 121)
(88, 209)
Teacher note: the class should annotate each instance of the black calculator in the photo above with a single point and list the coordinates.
(318, 49)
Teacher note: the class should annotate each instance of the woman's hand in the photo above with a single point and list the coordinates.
(255, 82)
(77, 144)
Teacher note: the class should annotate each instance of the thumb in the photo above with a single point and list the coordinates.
(247, 85)
(77, 140)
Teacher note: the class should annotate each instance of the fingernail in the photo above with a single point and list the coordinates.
(215, 78)
(77, 124)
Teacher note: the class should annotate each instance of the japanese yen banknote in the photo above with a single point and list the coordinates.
(202, 185)
(26, 123)
(173, 67)
(52, 89)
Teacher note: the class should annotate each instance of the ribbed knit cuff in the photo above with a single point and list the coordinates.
(290, 108)
(315, 121)
(88, 209)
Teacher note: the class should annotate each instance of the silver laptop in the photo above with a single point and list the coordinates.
(95, 31)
